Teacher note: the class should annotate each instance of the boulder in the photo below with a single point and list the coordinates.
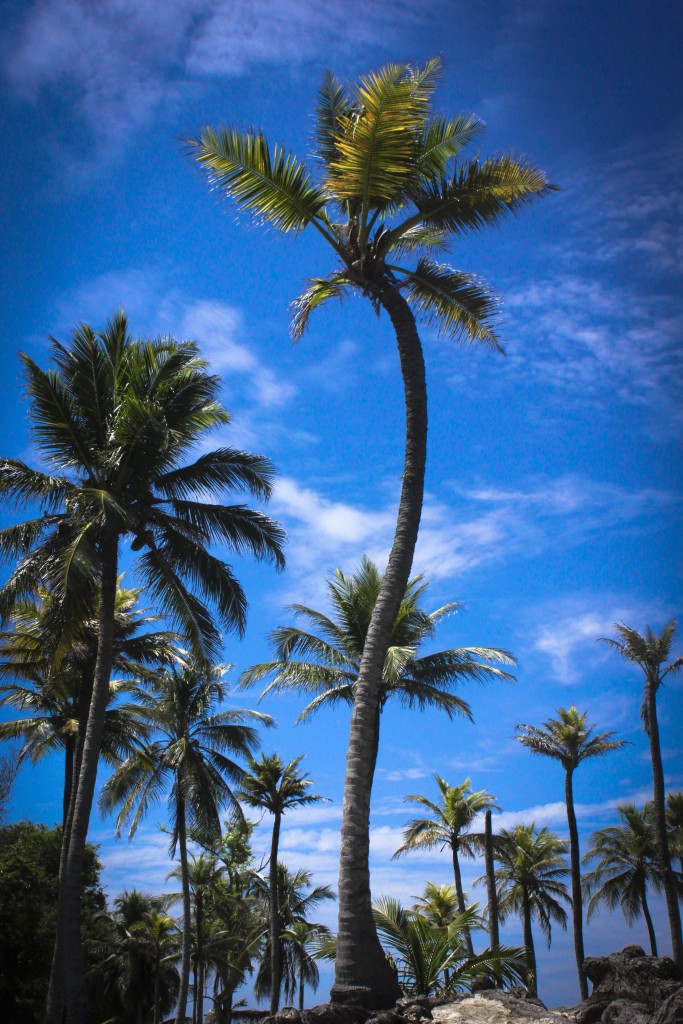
(630, 976)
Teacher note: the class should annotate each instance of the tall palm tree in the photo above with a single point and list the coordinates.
(626, 856)
(194, 756)
(529, 879)
(391, 192)
(116, 421)
(324, 658)
(491, 893)
(569, 740)
(449, 827)
(674, 824)
(276, 787)
(55, 662)
(651, 653)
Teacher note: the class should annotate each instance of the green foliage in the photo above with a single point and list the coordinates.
(29, 868)
(530, 874)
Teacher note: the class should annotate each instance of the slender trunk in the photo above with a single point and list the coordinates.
(363, 974)
(648, 921)
(494, 934)
(69, 752)
(186, 954)
(663, 858)
(195, 983)
(575, 865)
(461, 899)
(275, 979)
(157, 989)
(70, 893)
(301, 985)
(199, 998)
(532, 981)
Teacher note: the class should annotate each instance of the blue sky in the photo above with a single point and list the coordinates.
(553, 486)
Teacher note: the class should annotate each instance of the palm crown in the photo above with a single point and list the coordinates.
(391, 185)
(449, 824)
(568, 739)
(532, 868)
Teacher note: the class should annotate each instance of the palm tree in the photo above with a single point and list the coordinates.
(276, 787)
(449, 828)
(651, 652)
(529, 884)
(626, 856)
(324, 659)
(55, 661)
(431, 959)
(570, 741)
(301, 938)
(115, 422)
(390, 187)
(492, 895)
(194, 754)
(674, 824)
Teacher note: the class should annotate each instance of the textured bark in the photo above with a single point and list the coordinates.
(69, 756)
(70, 891)
(275, 980)
(363, 975)
(532, 981)
(648, 921)
(575, 867)
(201, 966)
(494, 934)
(186, 955)
(461, 899)
(668, 879)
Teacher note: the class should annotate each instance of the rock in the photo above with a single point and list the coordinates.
(496, 1007)
(336, 1013)
(671, 1010)
(625, 1011)
(630, 975)
(482, 983)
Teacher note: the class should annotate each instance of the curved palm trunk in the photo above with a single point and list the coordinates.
(69, 911)
(532, 981)
(275, 979)
(494, 934)
(461, 899)
(648, 921)
(668, 880)
(186, 955)
(363, 974)
(575, 867)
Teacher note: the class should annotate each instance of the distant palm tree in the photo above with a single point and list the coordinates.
(449, 827)
(438, 904)
(529, 880)
(626, 856)
(194, 756)
(569, 740)
(115, 421)
(674, 824)
(390, 194)
(301, 939)
(650, 653)
(204, 874)
(276, 787)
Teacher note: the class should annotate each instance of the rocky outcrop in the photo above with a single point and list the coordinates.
(631, 988)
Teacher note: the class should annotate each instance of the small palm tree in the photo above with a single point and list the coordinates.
(674, 824)
(194, 755)
(116, 420)
(569, 740)
(431, 959)
(276, 787)
(626, 856)
(651, 653)
(449, 827)
(392, 192)
(323, 660)
(302, 939)
(529, 880)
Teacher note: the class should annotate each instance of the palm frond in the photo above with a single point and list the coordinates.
(319, 290)
(458, 304)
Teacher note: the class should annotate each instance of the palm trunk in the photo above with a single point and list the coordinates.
(461, 899)
(575, 866)
(275, 979)
(199, 998)
(648, 921)
(532, 981)
(157, 989)
(69, 752)
(301, 985)
(363, 974)
(668, 880)
(186, 955)
(195, 984)
(70, 891)
(494, 933)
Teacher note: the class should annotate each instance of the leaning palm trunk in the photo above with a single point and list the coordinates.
(668, 879)
(363, 973)
(575, 865)
(275, 968)
(648, 921)
(529, 945)
(69, 910)
(491, 882)
(186, 955)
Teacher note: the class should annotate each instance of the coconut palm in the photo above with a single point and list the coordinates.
(529, 881)
(194, 755)
(651, 653)
(55, 661)
(674, 824)
(449, 827)
(492, 895)
(431, 959)
(392, 191)
(569, 740)
(276, 787)
(626, 856)
(302, 938)
(116, 421)
(324, 659)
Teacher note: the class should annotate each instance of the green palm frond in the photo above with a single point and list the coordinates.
(440, 141)
(333, 110)
(319, 290)
(458, 304)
